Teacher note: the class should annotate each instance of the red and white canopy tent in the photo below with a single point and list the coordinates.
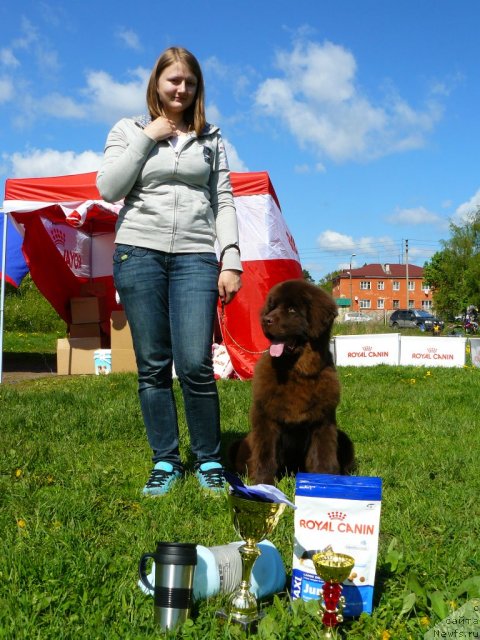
(68, 244)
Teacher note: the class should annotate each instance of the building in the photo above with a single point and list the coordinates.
(382, 288)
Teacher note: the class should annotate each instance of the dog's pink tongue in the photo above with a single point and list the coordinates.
(276, 349)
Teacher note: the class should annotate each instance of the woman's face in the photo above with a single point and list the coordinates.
(176, 87)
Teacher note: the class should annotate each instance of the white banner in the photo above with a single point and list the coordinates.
(367, 350)
(432, 352)
(475, 351)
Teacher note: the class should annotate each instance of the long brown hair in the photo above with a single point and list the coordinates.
(195, 114)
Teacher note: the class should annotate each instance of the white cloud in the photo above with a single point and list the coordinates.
(45, 56)
(317, 97)
(8, 59)
(7, 90)
(302, 168)
(108, 99)
(237, 78)
(49, 162)
(415, 216)
(306, 168)
(234, 161)
(335, 242)
(465, 210)
(61, 107)
(129, 38)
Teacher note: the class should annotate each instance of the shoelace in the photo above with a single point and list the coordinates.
(213, 477)
(158, 477)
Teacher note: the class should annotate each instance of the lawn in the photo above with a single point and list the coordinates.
(74, 458)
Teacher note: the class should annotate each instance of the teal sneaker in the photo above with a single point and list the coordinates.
(162, 476)
(211, 476)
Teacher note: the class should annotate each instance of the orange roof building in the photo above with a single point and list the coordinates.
(382, 287)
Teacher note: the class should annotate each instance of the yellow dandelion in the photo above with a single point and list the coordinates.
(50, 479)
(425, 621)
(56, 524)
(21, 524)
(453, 604)
(18, 473)
(386, 635)
(428, 373)
(413, 381)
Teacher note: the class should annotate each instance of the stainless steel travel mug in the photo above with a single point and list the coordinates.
(173, 589)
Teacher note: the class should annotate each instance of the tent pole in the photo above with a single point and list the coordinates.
(2, 290)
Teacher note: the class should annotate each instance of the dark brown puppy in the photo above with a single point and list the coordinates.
(295, 391)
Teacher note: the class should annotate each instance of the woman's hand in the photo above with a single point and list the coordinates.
(229, 282)
(160, 129)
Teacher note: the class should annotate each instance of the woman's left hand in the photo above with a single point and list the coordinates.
(229, 282)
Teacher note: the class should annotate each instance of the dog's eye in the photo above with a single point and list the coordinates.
(292, 310)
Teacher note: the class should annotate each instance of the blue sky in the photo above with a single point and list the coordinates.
(364, 112)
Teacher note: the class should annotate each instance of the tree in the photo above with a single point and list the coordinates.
(307, 276)
(327, 281)
(453, 274)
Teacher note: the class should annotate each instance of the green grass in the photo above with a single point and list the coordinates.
(73, 525)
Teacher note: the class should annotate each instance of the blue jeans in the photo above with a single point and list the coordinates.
(170, 303)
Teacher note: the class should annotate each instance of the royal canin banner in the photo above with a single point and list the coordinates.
(433, 352)
(475, 351)
(68, 240)
(367, 350)
(269, 256)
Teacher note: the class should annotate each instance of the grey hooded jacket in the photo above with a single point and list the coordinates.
(176, 199)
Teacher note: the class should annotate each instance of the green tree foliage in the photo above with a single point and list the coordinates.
(307, 276)
(27, 310)
(327, 281)
(453, 274)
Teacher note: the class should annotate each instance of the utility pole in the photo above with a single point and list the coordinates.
(406, 270)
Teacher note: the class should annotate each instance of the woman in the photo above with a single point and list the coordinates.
(171, 169)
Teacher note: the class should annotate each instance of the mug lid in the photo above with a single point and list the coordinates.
(176, 553)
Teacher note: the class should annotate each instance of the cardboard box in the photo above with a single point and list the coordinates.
(88, 309)
(76, 355)
(87, 330)
(123, 360)
(120, 336)
(93, 288)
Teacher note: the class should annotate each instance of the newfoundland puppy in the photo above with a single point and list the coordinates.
(295, 391)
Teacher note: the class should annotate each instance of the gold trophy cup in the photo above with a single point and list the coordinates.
(253, 520)
(333, 568)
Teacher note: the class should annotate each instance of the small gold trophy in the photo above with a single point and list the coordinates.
(333, 568)
(253, 520)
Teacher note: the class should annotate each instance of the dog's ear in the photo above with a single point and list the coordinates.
(323, 312)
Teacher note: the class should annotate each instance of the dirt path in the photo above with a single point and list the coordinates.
(18, 367)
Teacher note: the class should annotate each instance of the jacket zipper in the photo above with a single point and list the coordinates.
(177, 151)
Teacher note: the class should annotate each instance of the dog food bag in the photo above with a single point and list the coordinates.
(341, 512)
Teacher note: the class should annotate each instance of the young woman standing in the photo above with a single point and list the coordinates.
(171, 169)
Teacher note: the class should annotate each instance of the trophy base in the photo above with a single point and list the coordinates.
(245, 621)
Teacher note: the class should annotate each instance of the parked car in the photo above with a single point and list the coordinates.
(415, 318)
(356, 316)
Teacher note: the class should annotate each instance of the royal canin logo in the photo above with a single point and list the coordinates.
(291, 242)
(367, 348)
(337, 515)
(432, 349)
(58, 237)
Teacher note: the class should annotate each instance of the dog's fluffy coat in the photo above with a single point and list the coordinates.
(295, 391)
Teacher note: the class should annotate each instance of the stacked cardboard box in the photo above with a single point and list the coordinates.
(76, 354)
(87, 312)
(123, 356)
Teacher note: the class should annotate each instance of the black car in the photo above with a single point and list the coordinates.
(415, 318)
